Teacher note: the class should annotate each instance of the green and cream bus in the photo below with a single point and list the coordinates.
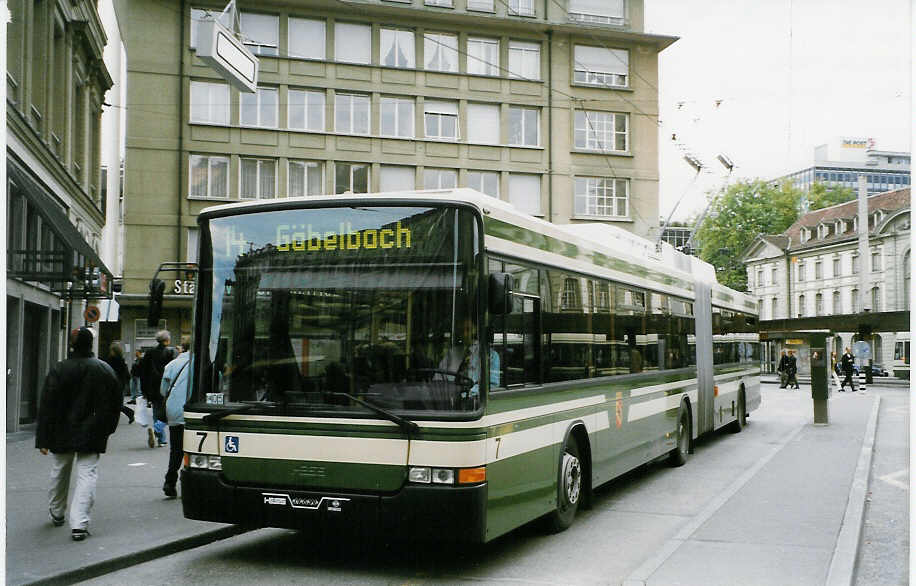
(439, 365)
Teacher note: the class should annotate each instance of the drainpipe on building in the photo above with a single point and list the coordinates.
(4, 22)
(788, 281)
(549, 121)
(181, 53)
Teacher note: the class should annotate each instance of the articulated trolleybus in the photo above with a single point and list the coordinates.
(439, 365)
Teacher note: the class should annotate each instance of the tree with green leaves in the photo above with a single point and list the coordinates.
(736, 216)
(822, 195)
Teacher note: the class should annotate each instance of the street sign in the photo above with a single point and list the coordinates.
(228, 56)
(92, 314)
(862, 350)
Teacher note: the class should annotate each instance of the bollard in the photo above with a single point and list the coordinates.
(862, 381)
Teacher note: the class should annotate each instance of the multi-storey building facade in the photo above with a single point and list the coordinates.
(840, 162)
(813, 268)
(56, 81)
(551, 106)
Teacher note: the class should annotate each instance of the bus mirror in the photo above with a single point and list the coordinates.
(156, 291)
(500, 287)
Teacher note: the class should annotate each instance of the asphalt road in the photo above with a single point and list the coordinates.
(883, 550)
(631, 521)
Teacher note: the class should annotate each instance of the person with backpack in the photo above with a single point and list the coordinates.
(176, 388)
(79, 409)
(151, 368)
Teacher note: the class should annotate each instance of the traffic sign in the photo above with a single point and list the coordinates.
(92, 314)
(862, 350)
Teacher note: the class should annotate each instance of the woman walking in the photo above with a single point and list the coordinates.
(115, 360)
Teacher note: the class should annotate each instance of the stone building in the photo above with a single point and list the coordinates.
(813, 268)
(56, 81)
(551, 106)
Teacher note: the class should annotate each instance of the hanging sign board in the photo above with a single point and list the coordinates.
(228, 56)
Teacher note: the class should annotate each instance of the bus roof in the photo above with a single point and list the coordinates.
(596, 239)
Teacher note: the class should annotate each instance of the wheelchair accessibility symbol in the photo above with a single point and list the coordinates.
(231, 445)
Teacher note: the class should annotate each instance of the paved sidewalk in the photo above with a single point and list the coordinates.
(792, 518)
(131, 520)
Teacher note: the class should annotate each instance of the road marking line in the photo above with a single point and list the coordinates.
(892, 479)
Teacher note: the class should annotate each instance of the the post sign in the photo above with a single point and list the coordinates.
(220, 49)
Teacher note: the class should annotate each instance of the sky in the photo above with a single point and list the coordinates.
(765, 81)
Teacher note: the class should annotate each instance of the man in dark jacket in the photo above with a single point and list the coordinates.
(79, 409)
(792, 370)
(152, 366)
(847, 366)
(781, 369)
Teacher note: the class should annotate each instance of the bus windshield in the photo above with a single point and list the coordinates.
(328, 309)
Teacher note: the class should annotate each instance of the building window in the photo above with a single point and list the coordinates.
(525, 192)
(441, 119)
(855, 264)
(818, 271)
(397, 178)
(837, 307)
(876, 299)
(351, 113)
(397, 117)
(524, 60)
(601, 131)
(306, 110)
(772, 275)
(440, 52)
(260, 33)
(486, 5)
(307, 38)
(440, 3)
(801, 306)
(569, 298)
(485, 182)
(524, 126)
(209, 177)
(305, 178)
(602, 196)
(259, 109)
(483, 123)
(597, 11)
(801, 271)
(440, 179)
(601, 67)
(209, 103)
(352, 43)
(258, 179)
(836, 267)
(483, 56)
(521, 7)
(193, 244)
(875, 261)
(759, 277)
(854, 301)
(352, 177)
(774, 305)
(818, 304)
(396, 48)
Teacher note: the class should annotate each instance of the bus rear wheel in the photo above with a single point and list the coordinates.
(569, 488)
(678, 456)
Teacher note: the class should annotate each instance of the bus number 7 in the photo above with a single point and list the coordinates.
(203, 437)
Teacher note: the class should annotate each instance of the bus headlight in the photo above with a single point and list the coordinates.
(420, 474)
(205, 462)
(427, 475)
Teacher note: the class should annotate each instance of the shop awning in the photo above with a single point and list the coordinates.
(71, 260)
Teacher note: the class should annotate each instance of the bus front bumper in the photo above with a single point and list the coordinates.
(427, 512)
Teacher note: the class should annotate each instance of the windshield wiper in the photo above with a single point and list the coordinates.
(408, 425)
(242, 408)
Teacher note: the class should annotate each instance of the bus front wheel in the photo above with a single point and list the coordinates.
(569, 488)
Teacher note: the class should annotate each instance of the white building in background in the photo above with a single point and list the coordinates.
(812, 269)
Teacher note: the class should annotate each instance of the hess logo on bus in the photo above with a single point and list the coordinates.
(301, 237)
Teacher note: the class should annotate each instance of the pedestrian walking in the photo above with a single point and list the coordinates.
(835, 370)
(847, 362)
(176, 389)
(115, 360)
(78, 411)
(151, 368)
(792, 370)
(135, 378)
(782, 370)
